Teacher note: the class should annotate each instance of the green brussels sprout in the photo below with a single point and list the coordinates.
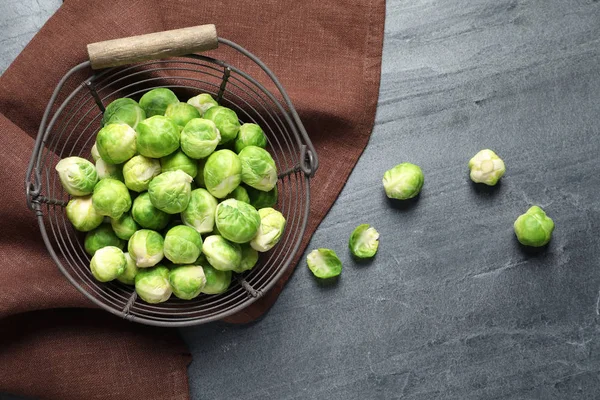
(226, 121)
(123, 111)
(199, 138)
(324, 263)
(170, 191)
(222, 173)
(146, 248)
(95, 154)
(100, 237)
(364, 241)
(250, 135)
(116, 143)
(202, 102)
(258, 168)
(199, 179)
(77, 175)
(157, 137)
(260, 199)
(111, 171)
(200, 212)
(82, 214)
(187, 281)
(534, 228)
(108, 263)
(239, 193)
(111, 198)
(156, 101)
(272, 224)
(181, 113)
(249, 259)
(139, 171)
(125, 226)
(148, 216)
(131, 270)
(179, 161)
(486, 167)
(152, 284)
(237, 221)
(221, 253)
(217, 282)
(403, 182)
(182, 245)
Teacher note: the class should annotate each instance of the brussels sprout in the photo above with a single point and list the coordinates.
(179, 161)
(100, 237)
(258, 168)
(199, 138)
(226, 121)
(182, 245)
(106, 170)
(187, 281)
(170, 191)
(108, 263)
(111, 198)
(152, 284)
(260, 199)
(217, 282)
(148, 216)
(156, 101)
(200, 212)
(237, 221)
(239, 193)
(77, 175)
(221, 253)
(131, 270)
(222, 173)
(146, 248)
(199, 179)
(157, 137)
(95, 154)
(364, 241)
(534, 228)
(272, 224)
(249, 259)
(181, 113)
(116, 143)
(82, 214)
(250, 135)
(202, 102)
(124, 226)
(139, 171)
(324, 263)
(123, 111)
(403, 182)
(486, 167)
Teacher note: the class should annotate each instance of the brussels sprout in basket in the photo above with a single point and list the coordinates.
(108, 263)
(200, 212)
(146, 247)
(100, 237)
(156, 101)
(123, 111)
(199, 138)
(222, 173)
(82, 214)
(170, 191)
(202, 102)
(181, 113)
(250, 135)
(152, 284)
(146, 215)
(77, 175)
(226, 121)
(116, 143)
(182, 245)
(157, 137)
(179, 161)
(139, 171)
(237, 221)
(187, 281)
(221, 253)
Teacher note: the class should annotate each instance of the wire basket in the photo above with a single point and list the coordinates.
(72, 119)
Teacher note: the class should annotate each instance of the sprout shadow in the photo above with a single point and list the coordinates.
(484, 190)
(363, 262)
(327, 283)
(403, 205)
(531, 252)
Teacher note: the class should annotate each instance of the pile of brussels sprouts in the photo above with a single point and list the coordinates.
(186, 188)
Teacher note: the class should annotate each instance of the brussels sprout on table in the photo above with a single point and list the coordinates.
(146, 215)
(258, 168)
(82, 214)
(199, 138)
(100, 237)
(179, 161)
(272, 224)
(200, 212)
(77, 175)
(182, 244)
(217, 282)
(131, 270)
(239, 193)
(226, 121)
(108, 263)
(157, 137)
(221, 253)
(250, 135)
(202, 102)
(116, 143)
(152, 284)
(146, 248)
(156, 101)
(260, 199)
(125, 226)
(109, 171)
(171, 191)
(534, 228)
(111, 198)
(181, 113)
(486, 167)
(124, 111)
(222, 173)
(249, 259)
(237, 221)
(403, 182)
(364, 241)
(324, 263)
(187, 281)
(139, 171)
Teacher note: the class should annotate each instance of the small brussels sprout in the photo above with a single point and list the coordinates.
(156, 101)
(200, 212)
(181, 113)
(187, 281)
(217, 282)
(82, 214)
(139, 171)
(123, 111)
(157, 137)
(364, 241)
(179, 161)
(403, 182)
(226, 121)
(202, 102)
(131, 270)
(111, 198)
(108, 263)
(77, 175)
(100, 237)
(486, 167)
(221, 253)
(239, 193)
(125, 226)
(237, 221)
(199, 179)
(272, 224)
(249, 259)
(152, 284)
(324, 263)
(199, 138)
(534, 228)
(109, 171)
(170, 191)
(222, 173)
(148, 216)
(95, 154)
(250, 135)
(116, 143)
(182, 244)
(260, 199)
(258, 168)
(146, 248)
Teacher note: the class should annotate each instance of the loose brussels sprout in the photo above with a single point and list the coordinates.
(95, 154)
(124, 226)
(156, 101)
(222, 173)
(534, 228)
(82, 214)
(403, 182)
(111, 198)
(100, 237)
(221, 253)
(170, 191)
(239, 193)
(364, 241)
(199, 179)
(157, 137)
(181, 113)
(237, 221)
(131, 270)
(272, 224)
(260, 199)
(199, 138)
(187, 281)
(146, 248)
(108, 263)
(179, 161)
(486, 167)
(182, 244)
(152, 284)
(200, 212)
(148, 216)
(77, 175)
(324, 263)
(106, 170)
(139, 171)
(258, 168)
(217, 282)
(250, 135)
(249, 259)
(226, 121)
(116, 143)
(202, 102)
(123, 111)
